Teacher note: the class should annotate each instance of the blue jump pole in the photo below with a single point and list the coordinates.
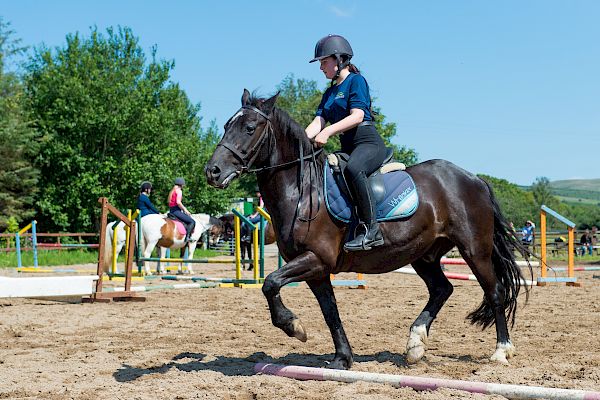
(18, 243)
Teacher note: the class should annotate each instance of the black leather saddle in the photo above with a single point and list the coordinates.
(375, 179)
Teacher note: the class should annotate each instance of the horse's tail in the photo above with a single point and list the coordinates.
(108, 247)
(505, 267)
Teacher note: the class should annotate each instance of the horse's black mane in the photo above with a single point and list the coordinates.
(284, 120)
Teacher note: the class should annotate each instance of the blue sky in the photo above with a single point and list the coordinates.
(510, 89)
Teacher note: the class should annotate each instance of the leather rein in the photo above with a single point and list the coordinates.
(249, 158)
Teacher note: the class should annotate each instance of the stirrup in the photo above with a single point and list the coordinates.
(361, 243)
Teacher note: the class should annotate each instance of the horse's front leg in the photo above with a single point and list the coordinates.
(307, 267)
(191, 249)
(323, 291)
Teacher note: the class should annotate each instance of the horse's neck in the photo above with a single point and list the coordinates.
(279, 187)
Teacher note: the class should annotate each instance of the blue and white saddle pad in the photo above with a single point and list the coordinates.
(400, 201)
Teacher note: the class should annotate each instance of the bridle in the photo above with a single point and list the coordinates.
(249, 158)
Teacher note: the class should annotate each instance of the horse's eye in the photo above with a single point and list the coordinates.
(250, 128)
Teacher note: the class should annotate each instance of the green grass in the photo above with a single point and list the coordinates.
(71, 257)
(49, 258)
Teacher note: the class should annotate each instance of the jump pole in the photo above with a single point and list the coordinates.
(422, 383)
(570, 280)
(462, 277)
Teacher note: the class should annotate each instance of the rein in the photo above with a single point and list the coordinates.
(248, 159)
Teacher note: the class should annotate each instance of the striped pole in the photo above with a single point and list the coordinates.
(422, 383)
(202, 285)
(462, 277)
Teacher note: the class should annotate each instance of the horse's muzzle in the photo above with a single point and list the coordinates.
(216, 178)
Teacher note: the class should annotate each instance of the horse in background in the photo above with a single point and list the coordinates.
(159, 230)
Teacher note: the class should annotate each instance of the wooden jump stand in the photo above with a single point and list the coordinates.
(570, 280)
(127, 294)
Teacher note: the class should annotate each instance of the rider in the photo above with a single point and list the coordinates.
(346, 105)
(177, 208)
(143, 201)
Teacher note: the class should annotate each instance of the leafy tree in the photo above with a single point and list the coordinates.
(111, 120)
(18, 141)
(542, 192)
(301, 97)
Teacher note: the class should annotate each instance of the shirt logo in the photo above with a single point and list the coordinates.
(339, 95)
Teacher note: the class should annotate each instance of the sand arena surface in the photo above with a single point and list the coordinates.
(203, 343)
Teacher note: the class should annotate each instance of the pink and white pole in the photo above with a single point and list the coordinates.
(462, 277)
(419, 383)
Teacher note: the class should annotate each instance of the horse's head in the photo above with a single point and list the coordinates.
(245, 134)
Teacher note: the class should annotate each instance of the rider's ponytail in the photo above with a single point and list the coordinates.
(353, 68)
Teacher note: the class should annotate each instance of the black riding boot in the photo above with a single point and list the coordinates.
(189, 229)
(371, 235)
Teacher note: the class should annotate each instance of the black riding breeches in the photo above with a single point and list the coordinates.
(183, 217)
(367, 152)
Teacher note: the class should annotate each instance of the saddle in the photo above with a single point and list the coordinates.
(338, 162)
(393, 189)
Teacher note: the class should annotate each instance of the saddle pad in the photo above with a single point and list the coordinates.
(180, 227)
(400, 201)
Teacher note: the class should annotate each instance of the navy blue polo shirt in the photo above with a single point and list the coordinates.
(338, 100)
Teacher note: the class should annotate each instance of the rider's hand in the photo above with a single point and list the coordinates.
(321, 138)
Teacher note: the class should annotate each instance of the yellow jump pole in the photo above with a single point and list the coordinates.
(255, 249)
(543, 264)
(236, 228)
(127, 233)
(114, 248)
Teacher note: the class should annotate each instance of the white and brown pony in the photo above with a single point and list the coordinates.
(158, 230)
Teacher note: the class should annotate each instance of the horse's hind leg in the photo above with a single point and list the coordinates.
(493, 306)
(440, 290)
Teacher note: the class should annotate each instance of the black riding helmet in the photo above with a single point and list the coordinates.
(145, 186)
(336, 46)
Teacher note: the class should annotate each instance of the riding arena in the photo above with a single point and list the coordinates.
(65, 337)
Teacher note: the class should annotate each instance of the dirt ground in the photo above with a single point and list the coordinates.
(203, 343)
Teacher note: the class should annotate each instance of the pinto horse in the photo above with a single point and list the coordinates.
(456, 208)
(161, 231)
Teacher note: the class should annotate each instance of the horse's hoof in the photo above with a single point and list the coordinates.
(298, 331)
(339, 363)
(503, 352)
(415, 348)
(414, 354)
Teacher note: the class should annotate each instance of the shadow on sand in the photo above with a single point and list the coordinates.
(236, 366)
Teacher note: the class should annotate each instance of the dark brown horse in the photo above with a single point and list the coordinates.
(456, 209)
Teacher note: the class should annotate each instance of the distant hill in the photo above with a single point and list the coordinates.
(585, 191)
(592, 185)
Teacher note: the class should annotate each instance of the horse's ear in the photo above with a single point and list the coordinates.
(269, 104)
(245, 97)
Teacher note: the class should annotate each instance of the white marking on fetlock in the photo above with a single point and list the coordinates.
(415, 348)
(503, 352)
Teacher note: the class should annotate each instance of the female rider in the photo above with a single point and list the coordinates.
(346, 106)
(143, 201)
(177, 208)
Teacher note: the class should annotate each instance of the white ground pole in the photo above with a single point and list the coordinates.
(47, 286)
(420, 383)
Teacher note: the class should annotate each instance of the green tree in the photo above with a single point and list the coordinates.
(111, 120)
(301, 97)
(18, 141)
(542, 192)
